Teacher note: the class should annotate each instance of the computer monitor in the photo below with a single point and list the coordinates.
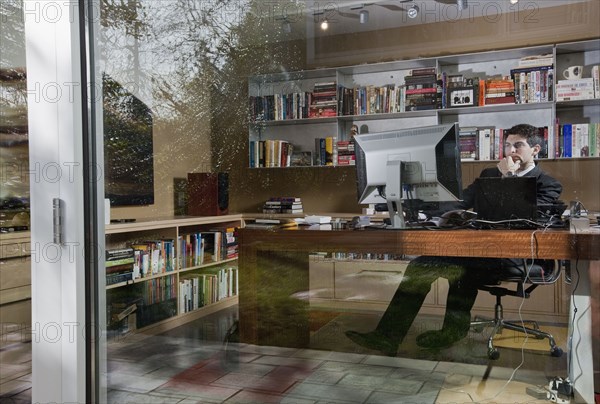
(412, 164)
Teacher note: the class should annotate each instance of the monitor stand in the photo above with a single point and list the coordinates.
(393, 194)
(397, 220)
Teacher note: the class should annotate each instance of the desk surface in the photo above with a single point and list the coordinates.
(549, 244)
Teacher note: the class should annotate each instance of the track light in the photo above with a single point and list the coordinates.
(462, 4)
(324, 25)
(363, 16)
(413, 11)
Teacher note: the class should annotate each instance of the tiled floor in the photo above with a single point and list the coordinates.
(190, 364)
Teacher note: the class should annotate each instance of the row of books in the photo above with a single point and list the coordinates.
(199, 290)
(139, 260)
(270, 153)
(577, 140)
(477, 143)
(325, 150)
(281, 153)
(533, 84)
(323, 101)
(207, 246)
(371, 99)
(562, 140)
(346, 153)
(318, 103)
(487, 143)
(276, 205)
(159, 290)
(279, 107)
(424, 88)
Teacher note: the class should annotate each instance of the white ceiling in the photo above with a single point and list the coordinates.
(343, 15)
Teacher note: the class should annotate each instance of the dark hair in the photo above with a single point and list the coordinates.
(529, 132)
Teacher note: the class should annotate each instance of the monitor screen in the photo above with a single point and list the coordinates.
(430, 164)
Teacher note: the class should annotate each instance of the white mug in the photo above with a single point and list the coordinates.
(573, 72)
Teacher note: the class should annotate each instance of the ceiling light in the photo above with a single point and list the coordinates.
(324, 24)
(514, 1)
(462, 4)
(413, 11)
(363, 16)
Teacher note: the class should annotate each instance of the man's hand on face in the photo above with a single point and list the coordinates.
(508, 167)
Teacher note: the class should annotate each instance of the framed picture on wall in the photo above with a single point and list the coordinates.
(462, 97)
(301, 158)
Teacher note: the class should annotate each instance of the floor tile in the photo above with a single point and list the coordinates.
(326, 392)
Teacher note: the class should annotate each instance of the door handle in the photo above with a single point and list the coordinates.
(57, 220)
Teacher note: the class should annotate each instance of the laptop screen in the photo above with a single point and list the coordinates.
(501, 198)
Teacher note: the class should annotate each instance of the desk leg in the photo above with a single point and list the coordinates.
(581, 364)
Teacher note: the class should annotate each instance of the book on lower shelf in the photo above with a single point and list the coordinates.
(155, 300)
(120, 266)
(577, 140)
(154, 257)
(467, 138)
(199, 290)
(326, 151)
(346, 153)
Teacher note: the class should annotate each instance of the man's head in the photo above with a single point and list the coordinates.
(523, 142)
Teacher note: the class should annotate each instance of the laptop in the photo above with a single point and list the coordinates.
(506, 198)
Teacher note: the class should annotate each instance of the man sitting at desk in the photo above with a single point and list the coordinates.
(522, 143)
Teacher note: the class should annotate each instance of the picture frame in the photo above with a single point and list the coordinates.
(462, 97)
(301, 158)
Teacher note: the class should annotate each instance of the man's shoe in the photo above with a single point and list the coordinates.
(373, 340)
(439, 338)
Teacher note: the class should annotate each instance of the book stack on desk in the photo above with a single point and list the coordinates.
(270, 224)
(283, 204)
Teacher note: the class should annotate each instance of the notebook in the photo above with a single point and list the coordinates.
(501, 198)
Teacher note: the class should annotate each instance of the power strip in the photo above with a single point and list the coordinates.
(537, 392)
(560, 391)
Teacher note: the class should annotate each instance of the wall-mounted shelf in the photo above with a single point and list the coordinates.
(301, 133)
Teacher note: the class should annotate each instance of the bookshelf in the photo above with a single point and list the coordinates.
(380, 81)
(191, 271)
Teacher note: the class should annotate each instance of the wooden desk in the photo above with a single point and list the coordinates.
(459, 243)
(263, 274)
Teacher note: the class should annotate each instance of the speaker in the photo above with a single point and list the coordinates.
(208, 194)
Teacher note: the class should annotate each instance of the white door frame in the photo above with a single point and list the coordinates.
(56, 125)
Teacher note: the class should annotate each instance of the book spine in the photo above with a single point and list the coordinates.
(329, 151)
(596, 78)
(567, 139)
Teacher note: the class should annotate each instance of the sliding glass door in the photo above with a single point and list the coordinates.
(65, 186)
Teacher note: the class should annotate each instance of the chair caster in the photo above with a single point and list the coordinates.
(493, 354)
(556, 352)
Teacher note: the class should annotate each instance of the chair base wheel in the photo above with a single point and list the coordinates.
(493, 354)
(556, 352)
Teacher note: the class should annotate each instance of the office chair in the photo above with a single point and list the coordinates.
(540, 273)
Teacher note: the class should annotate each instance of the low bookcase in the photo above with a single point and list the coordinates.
(183, 269)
